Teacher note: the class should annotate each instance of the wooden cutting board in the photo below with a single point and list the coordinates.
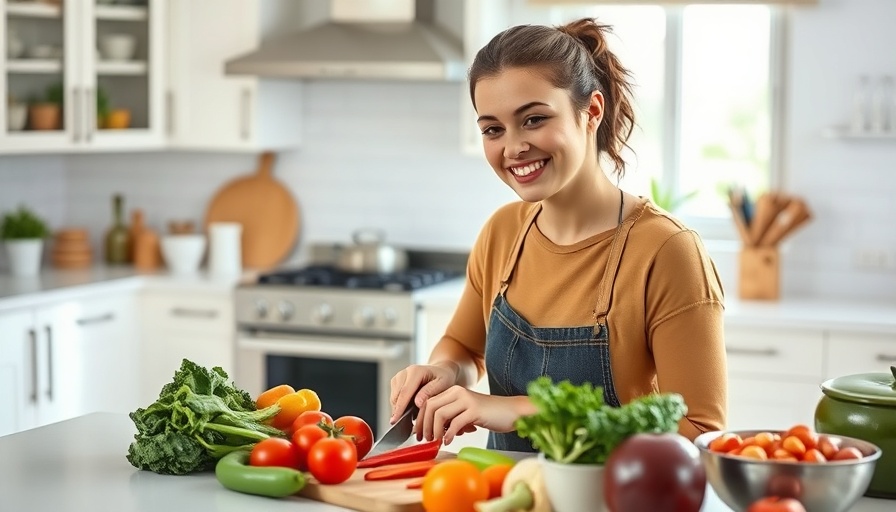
(358, 494)
(265, 208)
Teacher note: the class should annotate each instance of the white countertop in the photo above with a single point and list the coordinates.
(79, 465)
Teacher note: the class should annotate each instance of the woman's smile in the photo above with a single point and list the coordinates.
(530, 171)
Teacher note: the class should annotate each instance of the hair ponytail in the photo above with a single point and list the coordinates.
(578, 59)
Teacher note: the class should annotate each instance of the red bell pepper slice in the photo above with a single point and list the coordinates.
(416, 453)
(403, 470)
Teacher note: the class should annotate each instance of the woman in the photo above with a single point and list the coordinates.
(579, 280)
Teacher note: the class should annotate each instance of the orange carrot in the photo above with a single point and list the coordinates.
(404, 470)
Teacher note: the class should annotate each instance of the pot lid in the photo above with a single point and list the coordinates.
(864, 388)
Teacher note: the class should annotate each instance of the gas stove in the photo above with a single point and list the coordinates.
(329, 276)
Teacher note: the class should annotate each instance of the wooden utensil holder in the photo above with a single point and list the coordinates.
(760, 273)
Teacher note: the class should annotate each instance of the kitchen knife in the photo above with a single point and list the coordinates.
(398, 434)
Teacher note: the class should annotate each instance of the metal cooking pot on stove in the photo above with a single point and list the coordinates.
(864, 406)
(370, 254)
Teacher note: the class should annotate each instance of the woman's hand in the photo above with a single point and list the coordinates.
(458, 410)
(419, 382)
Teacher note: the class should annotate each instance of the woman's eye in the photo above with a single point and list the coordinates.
(491, 131)
(534, 120)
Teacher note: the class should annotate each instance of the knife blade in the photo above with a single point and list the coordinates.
(398, 434)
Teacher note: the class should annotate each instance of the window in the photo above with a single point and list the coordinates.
(704, 100)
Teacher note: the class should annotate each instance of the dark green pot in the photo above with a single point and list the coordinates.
(864, 406)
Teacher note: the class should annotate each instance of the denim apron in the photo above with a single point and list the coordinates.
(517, 352)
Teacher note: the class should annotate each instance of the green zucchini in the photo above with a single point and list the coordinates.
(235, 473)
(482, 457)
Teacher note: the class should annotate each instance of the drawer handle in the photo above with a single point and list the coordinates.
(885, 358)
(32, 335)
(101, 319)
(764, 352)
(194, 313)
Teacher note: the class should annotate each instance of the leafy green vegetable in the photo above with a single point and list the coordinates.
(198, 418)
(574, 425)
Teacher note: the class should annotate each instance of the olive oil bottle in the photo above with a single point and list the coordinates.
(118, 237)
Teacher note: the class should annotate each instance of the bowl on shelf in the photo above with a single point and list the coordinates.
(183, 253)
(118, 47)
(832, 486)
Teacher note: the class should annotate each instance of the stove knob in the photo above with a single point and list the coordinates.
(261, 308)
(286, 310)
(390, 316)
(364, 317)
(322, 314)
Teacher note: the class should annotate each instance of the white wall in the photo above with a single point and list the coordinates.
(386, 155)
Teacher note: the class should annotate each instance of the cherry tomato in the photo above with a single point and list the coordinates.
(776, 504)
(274, 452)
(332, 460)
(848, 453)
(304, 438)
(311, 418)
(360, 432)
(453, 486)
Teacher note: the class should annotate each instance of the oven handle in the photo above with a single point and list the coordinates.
(345, 350)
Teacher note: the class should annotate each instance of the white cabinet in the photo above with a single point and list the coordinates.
(198, 326)
(852, 352)
(774, 376)
(67, 359)
(102, 65)
(208, 110)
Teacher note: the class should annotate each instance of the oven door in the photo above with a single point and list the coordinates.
(350, 375)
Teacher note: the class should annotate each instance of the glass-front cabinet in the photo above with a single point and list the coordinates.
(82, 75)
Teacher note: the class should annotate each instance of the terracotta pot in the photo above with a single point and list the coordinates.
(864, 406)
(118, 119)
(45, 116)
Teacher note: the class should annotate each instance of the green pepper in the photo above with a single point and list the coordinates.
(483, 458)
(235, 473)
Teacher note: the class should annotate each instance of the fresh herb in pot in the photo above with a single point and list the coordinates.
(198, 418)
(574, 424)
(22, 224)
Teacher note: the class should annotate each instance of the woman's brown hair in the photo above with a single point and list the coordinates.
(576, 58)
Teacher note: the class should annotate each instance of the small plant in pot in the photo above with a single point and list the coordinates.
(46, 113)
(23, 233)
(576, 434)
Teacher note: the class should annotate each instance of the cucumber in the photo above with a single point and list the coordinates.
(483, 458)
(235, 473)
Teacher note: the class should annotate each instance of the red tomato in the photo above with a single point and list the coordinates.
(360, 432)
(332, 460)
(274, 452)
(453, 486)
(310, 418)
(776, 504)
(303, 439)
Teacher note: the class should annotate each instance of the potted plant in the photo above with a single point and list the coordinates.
(665, 197)
(23, 232)
(575, 432)
(46, 113)
(102, 107)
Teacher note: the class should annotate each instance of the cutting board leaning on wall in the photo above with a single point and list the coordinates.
(267, 211)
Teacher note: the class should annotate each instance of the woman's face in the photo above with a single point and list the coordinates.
(533, 139)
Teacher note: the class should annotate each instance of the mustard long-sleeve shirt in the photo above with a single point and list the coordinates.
(666, 312)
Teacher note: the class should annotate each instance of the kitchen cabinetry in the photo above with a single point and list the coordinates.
(198, 326)
(100, 67)
(774, 376)
(62, 360)
(852, 352)
(208, 110)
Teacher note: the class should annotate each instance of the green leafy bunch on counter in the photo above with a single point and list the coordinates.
(574, 424)
(198, 418)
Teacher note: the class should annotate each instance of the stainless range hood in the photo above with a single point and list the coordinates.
(374, 39)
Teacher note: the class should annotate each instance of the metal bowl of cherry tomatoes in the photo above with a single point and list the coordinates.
(825, 473)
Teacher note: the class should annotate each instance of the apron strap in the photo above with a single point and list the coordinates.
(605, 290)
(517, 246)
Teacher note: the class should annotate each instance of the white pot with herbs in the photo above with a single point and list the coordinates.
(23, 233)
(594, 457)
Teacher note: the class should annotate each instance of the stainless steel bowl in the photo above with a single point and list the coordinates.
(826, 487)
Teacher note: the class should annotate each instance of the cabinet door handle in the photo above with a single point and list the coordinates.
(169, 113)
(33, 336)
(76, 115)
(245, 113)
(194, 313)
(49, 331)
(885, 358)
(763, 352)
(89, 115)
(101, 319)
